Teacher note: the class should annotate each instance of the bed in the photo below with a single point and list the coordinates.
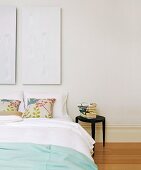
(45, 144)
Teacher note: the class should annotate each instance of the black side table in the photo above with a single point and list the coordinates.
(93, 121)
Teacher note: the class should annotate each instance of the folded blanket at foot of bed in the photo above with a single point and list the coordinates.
(28, 156)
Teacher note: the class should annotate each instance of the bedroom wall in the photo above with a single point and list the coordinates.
(100, 60)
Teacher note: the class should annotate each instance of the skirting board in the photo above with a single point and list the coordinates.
(118, 133)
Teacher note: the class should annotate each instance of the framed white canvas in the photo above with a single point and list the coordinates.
(41, 45)
(7, 44)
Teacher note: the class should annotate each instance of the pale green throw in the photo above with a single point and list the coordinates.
(27, 156)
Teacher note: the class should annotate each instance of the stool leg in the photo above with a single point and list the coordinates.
(103, 126)
(93, 135)
(93, 130)
(93, 150)
(76, 120)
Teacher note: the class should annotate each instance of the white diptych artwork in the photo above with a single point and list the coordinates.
(41, 45)
(7, 44)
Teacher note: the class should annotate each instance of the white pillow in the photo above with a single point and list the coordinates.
(14, 96)
(60, 105)
(10, 118)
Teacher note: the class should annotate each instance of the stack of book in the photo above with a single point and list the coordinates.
(88, 111)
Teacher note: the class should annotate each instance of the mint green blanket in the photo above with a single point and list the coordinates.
(25, 156)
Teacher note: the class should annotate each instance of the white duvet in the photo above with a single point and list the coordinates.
(48, 131)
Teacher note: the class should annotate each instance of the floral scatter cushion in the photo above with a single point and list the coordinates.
(39, 108)
(9, 105)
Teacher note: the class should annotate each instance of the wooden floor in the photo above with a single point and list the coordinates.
(118, 156)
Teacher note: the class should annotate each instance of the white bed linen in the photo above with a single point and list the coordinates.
(10, 118)
(48, 131)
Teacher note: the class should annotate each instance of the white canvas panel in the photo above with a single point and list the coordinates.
(7, 44)
(41, 45)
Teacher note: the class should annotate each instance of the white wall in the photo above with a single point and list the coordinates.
(101, 56)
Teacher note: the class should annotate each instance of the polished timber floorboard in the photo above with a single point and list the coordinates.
(118, 156)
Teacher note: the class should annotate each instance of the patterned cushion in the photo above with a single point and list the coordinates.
(9, 105)
(39, 108)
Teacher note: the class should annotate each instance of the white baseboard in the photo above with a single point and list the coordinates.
(117, 133)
